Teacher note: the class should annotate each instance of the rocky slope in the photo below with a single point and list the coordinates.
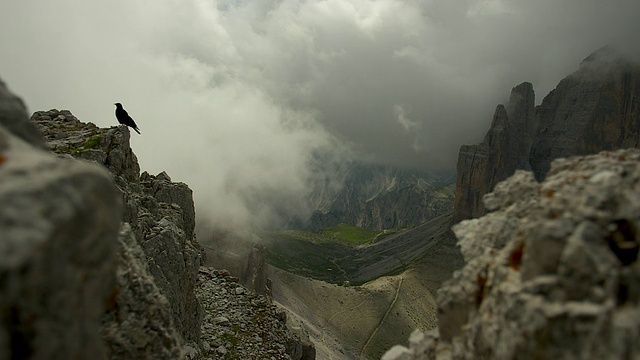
(596, 108)
(161, 217)
(99, 261)
(551, 273)
(59, 223)
(380, 197)
(240, 324)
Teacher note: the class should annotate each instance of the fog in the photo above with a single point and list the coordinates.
(237, 98)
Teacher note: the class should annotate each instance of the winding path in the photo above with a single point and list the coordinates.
(375, 331)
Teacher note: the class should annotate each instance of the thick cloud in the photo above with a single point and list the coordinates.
(234, 96)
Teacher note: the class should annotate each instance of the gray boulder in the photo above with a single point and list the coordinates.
(58, 227)
(551, 273)
(13, 116)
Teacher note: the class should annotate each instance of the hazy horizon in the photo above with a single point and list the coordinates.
(236, 98)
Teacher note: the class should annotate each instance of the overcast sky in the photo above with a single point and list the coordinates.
(234, 96)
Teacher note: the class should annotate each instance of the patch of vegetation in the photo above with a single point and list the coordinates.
(93, 142)
(351, 235)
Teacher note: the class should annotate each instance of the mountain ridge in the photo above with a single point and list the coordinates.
(596, 108)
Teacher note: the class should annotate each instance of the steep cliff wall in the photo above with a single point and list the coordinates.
(504, 149)
(159, 246)
(596, 108)
(382, 197)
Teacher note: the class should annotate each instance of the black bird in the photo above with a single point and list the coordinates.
(124, 118)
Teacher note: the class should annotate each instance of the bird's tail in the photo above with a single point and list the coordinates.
(138, 131)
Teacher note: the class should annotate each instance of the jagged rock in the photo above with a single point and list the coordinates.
(141, 326)
(597, 108)
(65, 134)
(13, 116)
(554, 271)
(58, 227)
(607, 89)
(504, 149)
(162, 218)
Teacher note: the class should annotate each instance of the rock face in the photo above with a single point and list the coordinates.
(551, 273)
(243, 255)
(138, 322)
(162, 217)
(381, 197)
(504, 149)
(58, 228)
(607, 90)
(597, 108)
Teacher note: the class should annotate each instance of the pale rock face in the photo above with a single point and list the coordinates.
(58, 229)
(144, 328)
(161, 215)
(552, 272)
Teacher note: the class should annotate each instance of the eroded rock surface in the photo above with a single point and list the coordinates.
(162, 219)
(58, 228)
(551, 273)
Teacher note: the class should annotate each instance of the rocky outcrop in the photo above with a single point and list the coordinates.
(504, 149)
(138, 322)
(552, 272)
(13, 115)
(381, 197)
(58, 228)
(161, 216)
(597, 108)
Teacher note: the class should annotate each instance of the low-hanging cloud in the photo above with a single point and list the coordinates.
(237, 97)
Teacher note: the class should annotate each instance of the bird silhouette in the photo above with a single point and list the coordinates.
(124, 118)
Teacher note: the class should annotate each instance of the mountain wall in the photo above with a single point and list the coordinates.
(381, 197)
(551, 273)
(596, 108)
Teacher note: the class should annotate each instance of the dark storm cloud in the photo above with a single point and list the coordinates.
(233, 97)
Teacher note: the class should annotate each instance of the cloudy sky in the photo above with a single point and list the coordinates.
(235, 96)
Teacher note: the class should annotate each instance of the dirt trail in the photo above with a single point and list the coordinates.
(363, 352)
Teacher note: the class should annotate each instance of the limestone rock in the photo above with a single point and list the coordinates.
(138, 322)
(554, 270)
(58, 227)
(162, 218)
(13, 116)
(597, 108)
(607, 92)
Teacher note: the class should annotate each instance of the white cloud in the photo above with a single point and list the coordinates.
(234, 97)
